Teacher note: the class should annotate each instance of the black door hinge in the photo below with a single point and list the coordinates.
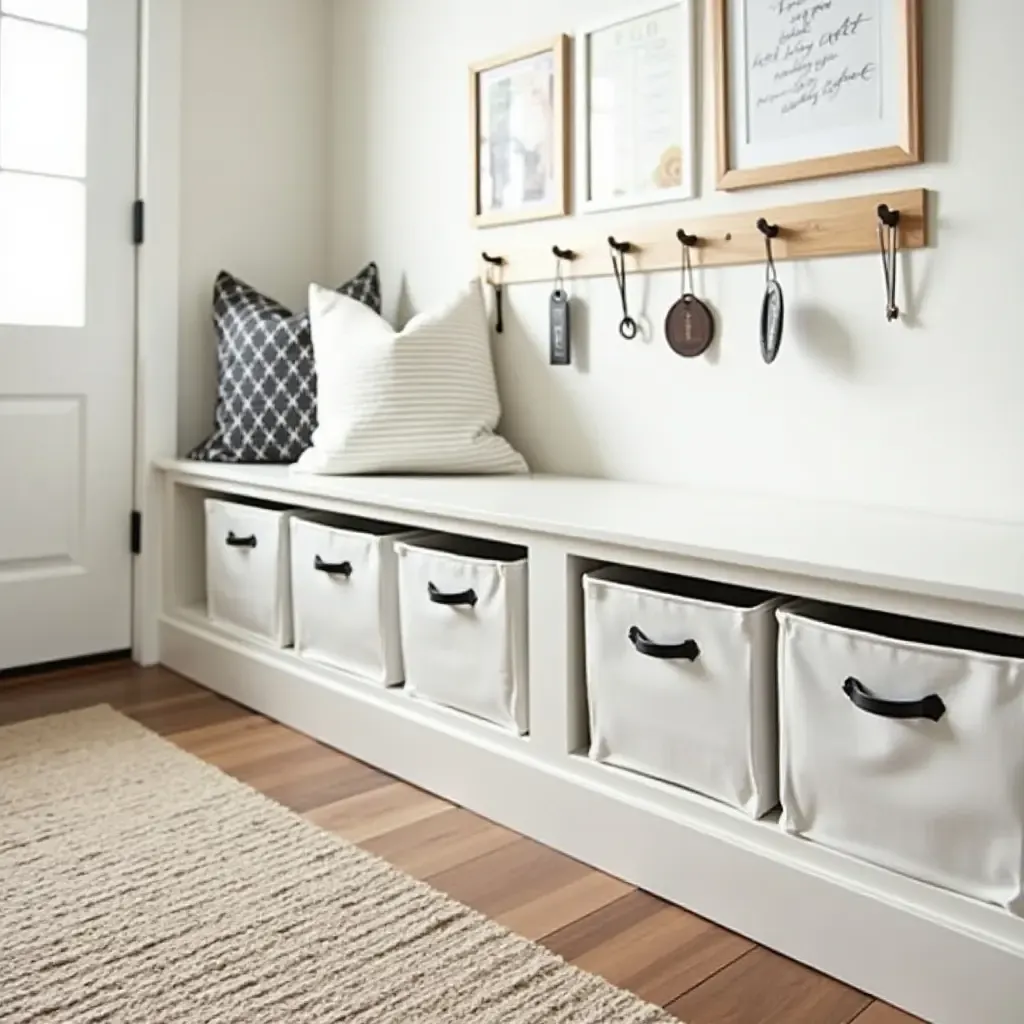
(138, 222)
(136, 532)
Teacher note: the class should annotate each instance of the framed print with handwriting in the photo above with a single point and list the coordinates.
(518, 121)
(812, 88)
(635, 108)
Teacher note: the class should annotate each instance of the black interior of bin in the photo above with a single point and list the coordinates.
(687, 586)
(916, 631)
(470, 547)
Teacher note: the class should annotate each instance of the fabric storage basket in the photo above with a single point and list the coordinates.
(463, 614)
(247, 583)
(345, 594)
(903, 744)
(681, 682)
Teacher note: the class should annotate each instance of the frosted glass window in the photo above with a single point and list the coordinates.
(42, 98)
(72, 13)
(42, 250)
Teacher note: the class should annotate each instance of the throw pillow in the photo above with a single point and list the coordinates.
(422, 400)
(266, 380)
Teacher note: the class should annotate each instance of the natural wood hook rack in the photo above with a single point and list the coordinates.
(838, 227)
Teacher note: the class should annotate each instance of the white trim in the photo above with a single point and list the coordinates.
(908, 563)
(156, 400)
(581, 100)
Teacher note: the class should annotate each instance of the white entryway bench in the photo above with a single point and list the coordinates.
(936, 953)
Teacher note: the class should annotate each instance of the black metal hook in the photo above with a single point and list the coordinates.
(766, 229)
(496, 283)
(687, 242)
(890, 218)
(889, 243)
(560, 255)
(621, 247)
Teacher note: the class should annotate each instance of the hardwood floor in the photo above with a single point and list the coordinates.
(698, 971)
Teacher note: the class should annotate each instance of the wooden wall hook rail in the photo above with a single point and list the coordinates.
(837, 227)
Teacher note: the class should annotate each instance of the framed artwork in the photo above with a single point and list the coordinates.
(635, 108)
(518, 118)
(812, 88)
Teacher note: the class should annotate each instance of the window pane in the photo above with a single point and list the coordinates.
(42, 98)
(42, 251)
(72, 13)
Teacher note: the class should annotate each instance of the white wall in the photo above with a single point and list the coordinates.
(255, 193)
(925, 414)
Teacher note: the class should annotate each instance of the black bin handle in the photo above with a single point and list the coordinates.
(332, 568)
(932, 707)
(466, 597)
(688, 650)
(234, 541)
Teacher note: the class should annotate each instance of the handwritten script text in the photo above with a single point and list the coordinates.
(812, 63)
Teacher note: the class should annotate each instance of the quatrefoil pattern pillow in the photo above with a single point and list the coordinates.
(266, 378)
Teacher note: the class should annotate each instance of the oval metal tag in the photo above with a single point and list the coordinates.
(773, 315)
(689, 327)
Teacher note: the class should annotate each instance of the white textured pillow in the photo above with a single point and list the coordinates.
(422, 400)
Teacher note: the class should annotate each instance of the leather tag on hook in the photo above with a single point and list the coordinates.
(560, 331)
(689, 327)
(773, 314)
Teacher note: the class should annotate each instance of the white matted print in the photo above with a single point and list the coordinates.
(635, 110)
(518, 135)
(809, 88)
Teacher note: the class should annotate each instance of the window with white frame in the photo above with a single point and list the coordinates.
(43, 115)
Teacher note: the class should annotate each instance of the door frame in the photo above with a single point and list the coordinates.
(157, 300)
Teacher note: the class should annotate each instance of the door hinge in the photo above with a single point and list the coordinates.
(136, 531)
(138, 222)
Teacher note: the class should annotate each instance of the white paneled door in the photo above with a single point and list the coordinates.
(68, 93)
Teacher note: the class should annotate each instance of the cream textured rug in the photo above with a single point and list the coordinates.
(138, 884)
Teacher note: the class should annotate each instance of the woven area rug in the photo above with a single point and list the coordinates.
(138, 884)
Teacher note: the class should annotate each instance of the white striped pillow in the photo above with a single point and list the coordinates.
(422, 400)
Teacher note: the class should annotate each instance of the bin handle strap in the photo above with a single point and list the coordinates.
(234, 541)
(688, 650)
(932, 707)
(333, 569)
(465, 597)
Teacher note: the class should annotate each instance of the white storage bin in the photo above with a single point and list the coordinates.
(345, 595)
(903, 744)
(247, 584)
(681, 683)
(463, 618)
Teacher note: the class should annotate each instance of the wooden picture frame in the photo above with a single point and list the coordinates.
(649, 155)
(893, 140)
(537, 167)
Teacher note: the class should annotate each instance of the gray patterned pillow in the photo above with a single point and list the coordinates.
(266, 378)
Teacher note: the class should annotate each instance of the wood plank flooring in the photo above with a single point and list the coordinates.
(698, 971)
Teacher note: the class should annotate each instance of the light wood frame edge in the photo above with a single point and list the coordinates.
(559, 47)
(910, 150)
